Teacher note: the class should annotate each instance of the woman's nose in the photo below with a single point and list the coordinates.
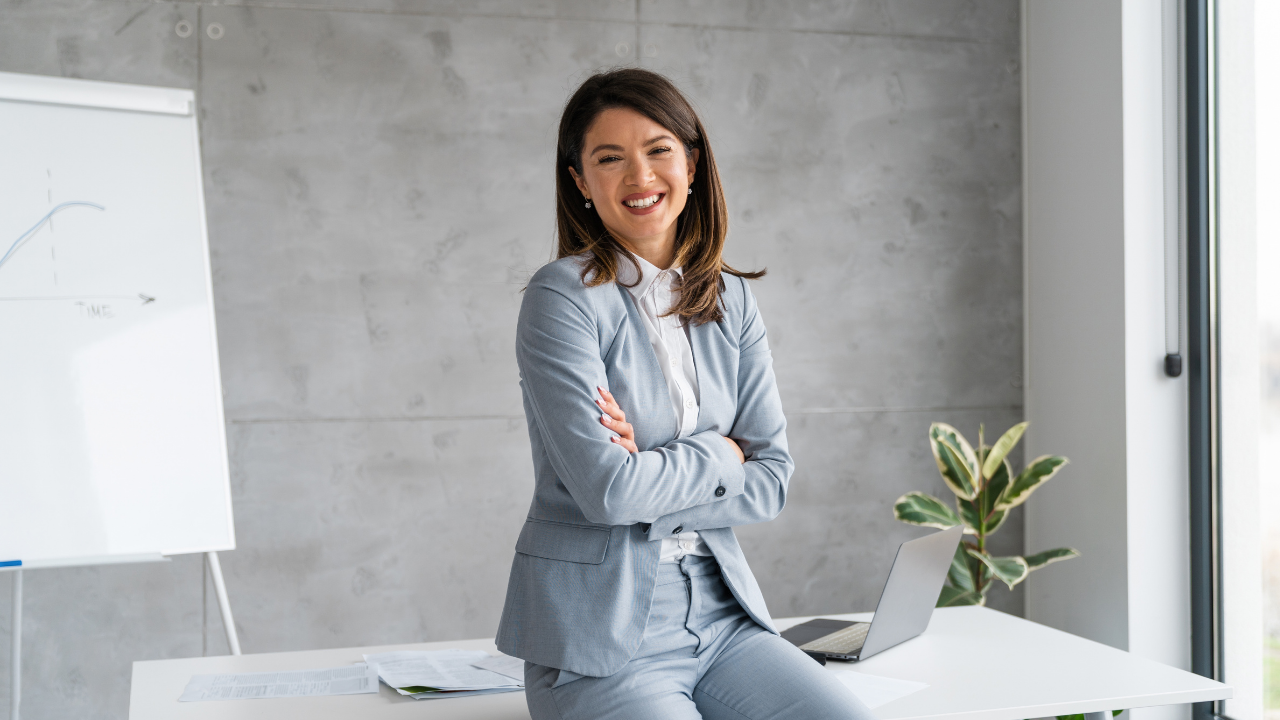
(639, 173)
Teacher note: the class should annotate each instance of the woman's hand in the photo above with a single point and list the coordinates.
(616, 420)
(737, 450)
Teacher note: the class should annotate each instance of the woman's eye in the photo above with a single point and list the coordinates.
(609, 159)
(657, 150)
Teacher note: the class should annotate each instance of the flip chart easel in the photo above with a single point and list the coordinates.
(112, 436)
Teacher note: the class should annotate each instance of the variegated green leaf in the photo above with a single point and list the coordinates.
(955, 471)
(975, 522)
(1040, 559)
(955, 597)
(917, 508)
(1011, 570)
(1036, 474)
(1001, 449)
(960, 575)
(969, 515)
(992, 519)
(956, 460)
(995, 520)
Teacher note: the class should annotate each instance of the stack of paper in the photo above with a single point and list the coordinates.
(426, 674)
(349, 680)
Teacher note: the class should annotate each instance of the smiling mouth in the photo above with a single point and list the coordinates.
(643, 203)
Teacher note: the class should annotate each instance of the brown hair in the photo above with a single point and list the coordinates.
(702, 225)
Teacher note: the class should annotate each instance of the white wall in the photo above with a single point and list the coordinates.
(1094, 145)
(1074, 311)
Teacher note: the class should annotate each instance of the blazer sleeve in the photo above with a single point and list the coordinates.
(760, 427)
(558, 353)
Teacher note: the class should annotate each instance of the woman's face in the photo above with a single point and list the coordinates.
(636, 175)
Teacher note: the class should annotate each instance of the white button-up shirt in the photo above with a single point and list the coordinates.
(654, 296)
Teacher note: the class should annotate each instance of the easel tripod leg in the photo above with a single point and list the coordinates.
(15, 684)
(228, 623)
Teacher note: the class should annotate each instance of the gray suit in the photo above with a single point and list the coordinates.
(586, 562)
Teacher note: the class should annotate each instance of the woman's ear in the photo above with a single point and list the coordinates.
(582, 184)
(693, 163)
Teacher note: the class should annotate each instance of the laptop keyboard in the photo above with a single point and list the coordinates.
(841, 642)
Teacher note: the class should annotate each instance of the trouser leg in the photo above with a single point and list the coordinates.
(763, 676)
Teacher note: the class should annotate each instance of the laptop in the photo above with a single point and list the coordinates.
(905, 606)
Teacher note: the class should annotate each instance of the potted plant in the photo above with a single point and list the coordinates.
(986, 490)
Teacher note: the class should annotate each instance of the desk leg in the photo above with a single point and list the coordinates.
(1104, 715)
(15, 684)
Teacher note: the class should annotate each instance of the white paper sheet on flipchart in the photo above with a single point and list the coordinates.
(347, 680)
(505, 665)
(440, 669)
(875, 690)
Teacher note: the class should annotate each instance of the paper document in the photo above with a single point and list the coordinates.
(874, 690)
(347, 680)
(425, 674)
(504, 664)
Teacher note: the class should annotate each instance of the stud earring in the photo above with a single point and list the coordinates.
(588, 203)
(690, 191)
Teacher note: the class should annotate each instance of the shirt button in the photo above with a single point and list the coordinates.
(679, 529)
(720, 491)
(675, 362)
(689, 404)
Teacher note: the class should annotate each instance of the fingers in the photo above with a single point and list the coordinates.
(609, 405)
(614, 419)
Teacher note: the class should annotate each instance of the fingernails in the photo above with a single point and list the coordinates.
(605, 418)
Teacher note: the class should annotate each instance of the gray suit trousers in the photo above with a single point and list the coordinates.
(702, 656)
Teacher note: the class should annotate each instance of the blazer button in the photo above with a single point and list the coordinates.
(720, 491)
(679, 529)
(644, 527)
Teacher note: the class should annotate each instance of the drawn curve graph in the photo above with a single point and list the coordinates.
(24, 237)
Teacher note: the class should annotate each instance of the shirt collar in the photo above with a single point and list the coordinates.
(648, 273)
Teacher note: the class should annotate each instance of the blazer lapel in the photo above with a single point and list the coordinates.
(715, 389)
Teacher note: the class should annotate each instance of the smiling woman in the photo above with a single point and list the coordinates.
(634, 170)
(656, 428)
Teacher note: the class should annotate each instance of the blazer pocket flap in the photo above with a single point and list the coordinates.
(560, 541)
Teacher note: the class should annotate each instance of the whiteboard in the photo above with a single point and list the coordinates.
(112, 438)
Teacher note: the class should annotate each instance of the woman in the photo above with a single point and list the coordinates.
(656, 428)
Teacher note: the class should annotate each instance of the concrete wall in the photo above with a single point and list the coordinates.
(379, 187)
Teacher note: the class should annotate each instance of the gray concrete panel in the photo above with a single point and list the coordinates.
(132, 42)
(878, 180)
(962, 20)
(357, 533)
(544, 9)
(383, 183)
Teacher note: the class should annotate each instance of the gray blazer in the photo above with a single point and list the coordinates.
(587, 558)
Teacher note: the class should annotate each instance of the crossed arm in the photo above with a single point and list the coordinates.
(673, 485)
(616, 420)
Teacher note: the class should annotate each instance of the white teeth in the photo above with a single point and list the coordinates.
(643, 203)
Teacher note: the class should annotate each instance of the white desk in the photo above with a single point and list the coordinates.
(980, 665)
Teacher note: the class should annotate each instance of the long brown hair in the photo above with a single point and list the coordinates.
(702, 225)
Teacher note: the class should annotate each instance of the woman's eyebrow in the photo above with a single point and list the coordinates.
(659, 138)
(598, 148)
(619, 148)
